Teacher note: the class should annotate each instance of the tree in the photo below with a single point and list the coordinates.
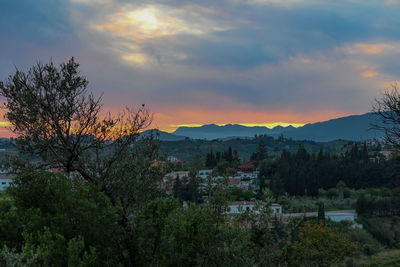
(320, 245)
(321, 211)
(56, 216)
(261, 152)
(60, 123)
(177, 188)
(267, 169)
(387, 109)
(340, 187)
(56, 118)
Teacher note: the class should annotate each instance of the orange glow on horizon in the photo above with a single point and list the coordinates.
(170, 120)
(268, 125)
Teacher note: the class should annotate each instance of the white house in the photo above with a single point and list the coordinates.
(174, 175)
(276, 209)
(243, 206)
(240, 206)
(205, 173)
(5, 181)
(248, 176)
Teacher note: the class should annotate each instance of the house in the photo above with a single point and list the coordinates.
(248, 175)
(243, 206)
(173, 159)
(234, 181)
(240, 206)
(205, 173)
(177, 174)
(276, 209)
(247, 166)
(5, 180)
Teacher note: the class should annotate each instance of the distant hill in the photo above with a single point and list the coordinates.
(354, 128)
(163, 136)
(229, 131)
(187, 149)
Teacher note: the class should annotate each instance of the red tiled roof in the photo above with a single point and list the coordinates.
(234, 181)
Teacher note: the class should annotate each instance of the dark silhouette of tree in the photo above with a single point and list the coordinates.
(321, 211)
(61, 123)
(177, 187)
(388, 110)
(340, 187)
(261, 152)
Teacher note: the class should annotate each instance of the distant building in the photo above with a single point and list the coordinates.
(179, 174)
(5, 180)
(388, 153)
(234, 181)
(205, 173)
(243, 206)
(276, 209)
(174, 160)
(248, 175)
(247, 166)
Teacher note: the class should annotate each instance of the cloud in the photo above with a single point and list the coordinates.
(369, 74)
(211, 61)
(145, 27)
(371, 48)
(392, 2)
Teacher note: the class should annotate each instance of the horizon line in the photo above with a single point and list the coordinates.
(269, 125)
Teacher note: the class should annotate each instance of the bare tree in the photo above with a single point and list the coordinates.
(388, 110)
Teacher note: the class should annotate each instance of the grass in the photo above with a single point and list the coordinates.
(4, 196)
(384, 258)
(305, 204)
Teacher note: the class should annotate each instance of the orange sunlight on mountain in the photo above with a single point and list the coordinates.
(170, 120)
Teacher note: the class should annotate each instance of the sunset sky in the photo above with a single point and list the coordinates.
(254, 62)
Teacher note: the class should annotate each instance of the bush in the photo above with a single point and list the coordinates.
(332, 193)
(365, 242)
(53, 215)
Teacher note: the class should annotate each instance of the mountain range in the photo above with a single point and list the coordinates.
(354, 128)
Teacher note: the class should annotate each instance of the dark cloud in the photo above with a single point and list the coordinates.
(299, 55)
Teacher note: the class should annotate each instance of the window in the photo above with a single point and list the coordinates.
(3, 183)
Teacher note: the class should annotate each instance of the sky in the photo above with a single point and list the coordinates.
(253, 62)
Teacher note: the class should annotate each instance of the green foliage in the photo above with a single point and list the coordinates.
(365, 242)
(10, 225)
(321, 211)
(320, 245)
(166, 234)
(239, 194)
(332, 193)
(60, 223)
(11, 258)
(387, 258)
(378, 206)
(384, 229)
(302, 173)
(58, 217)
(187, 149)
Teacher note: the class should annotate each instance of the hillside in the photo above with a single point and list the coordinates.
(355, 128)
(187, 149)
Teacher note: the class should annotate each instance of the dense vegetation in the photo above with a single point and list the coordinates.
(50, 221)
(303, 173)
(106, 204)
(187, 149)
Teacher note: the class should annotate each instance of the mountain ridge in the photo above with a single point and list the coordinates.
(352, 127)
